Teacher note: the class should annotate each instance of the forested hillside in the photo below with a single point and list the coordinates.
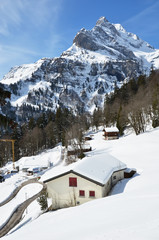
(36, 135)
(135, 104)
(4, 121)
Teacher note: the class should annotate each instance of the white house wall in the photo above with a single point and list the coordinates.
(62, 195)
(107, 187)
(116, 176)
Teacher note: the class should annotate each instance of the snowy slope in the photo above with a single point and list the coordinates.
(48, 158)
(25, 193)
(21, 72)
(79, 79)
(12, 181)
(132, 210)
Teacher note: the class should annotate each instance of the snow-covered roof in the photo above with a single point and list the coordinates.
(96, 168)
(31, 162)
(72, 147)
(111, 129)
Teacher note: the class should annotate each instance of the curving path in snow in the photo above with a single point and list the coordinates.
(15, 192)
(17, 213)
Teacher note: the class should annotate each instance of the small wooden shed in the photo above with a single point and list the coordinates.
(111, 133)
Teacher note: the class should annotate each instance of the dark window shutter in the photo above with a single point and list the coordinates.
(72, 182)
(92, 193)
(82, 193)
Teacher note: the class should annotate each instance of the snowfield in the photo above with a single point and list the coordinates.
(130, 212)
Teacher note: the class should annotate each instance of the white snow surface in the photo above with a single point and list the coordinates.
(111, 129)
(12, 181)
(99, 168)
(25, 193)
(132, 210)
(22, 72)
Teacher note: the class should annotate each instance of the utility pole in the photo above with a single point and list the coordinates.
(12, 141)
(25, 200)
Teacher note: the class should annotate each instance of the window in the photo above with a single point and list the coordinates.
(81, 193)
(72, 182)
(92, 193)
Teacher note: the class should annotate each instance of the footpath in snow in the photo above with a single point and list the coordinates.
(25, 193)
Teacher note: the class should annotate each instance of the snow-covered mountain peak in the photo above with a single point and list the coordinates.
(102, 21)
(112, 39)
(131, 40)
(99, 59)
(106, 26)
(119, 27)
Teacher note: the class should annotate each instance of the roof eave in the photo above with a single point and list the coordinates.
(83, 176)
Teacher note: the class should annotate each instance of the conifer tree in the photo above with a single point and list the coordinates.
(42, 200)
(4, 121)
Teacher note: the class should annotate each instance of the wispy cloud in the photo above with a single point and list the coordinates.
(146, 17)
(26, 30)
(20, 50)
(35, 12)
(145, 23)
(9, 12)
(40, 12)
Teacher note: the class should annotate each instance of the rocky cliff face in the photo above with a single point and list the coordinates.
(98, 60)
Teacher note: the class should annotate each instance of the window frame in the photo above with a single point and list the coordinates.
(72, 182)
(83, 193)
(92, 194)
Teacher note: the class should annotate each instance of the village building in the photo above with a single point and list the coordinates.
(33, 165)
(111, 133)
(88, 179)
(75, 149)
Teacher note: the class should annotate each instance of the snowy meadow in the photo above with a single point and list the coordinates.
(131, 211)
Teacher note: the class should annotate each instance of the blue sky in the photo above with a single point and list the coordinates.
(32, 29)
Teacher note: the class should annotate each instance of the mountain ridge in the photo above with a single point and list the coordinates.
(99, 59)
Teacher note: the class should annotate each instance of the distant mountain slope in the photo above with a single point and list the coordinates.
(98, 60)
